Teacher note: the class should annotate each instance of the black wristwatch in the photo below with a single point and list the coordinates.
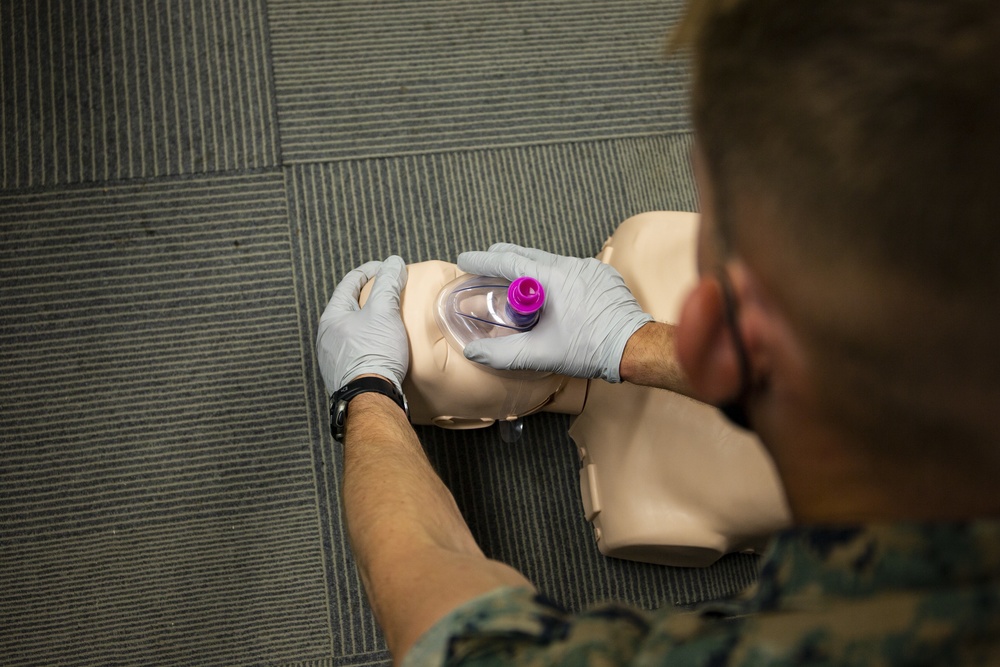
(356, 387)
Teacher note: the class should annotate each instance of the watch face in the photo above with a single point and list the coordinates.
(339, 419)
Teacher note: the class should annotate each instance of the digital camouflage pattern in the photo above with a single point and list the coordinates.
(895, 594)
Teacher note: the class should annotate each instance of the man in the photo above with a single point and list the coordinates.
(848, 162)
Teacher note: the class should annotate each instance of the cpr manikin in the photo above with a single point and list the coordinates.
(663, 478)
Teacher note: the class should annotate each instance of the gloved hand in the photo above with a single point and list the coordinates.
(589, 314)
(355, 341)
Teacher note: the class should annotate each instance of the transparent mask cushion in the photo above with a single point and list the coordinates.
(474, 307)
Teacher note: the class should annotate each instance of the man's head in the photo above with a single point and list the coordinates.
(849, 158)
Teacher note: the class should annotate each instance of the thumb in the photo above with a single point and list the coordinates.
(389, 281)
(499, 353)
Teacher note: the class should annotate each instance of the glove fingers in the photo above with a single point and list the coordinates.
(534, 254)
(495, 264)
(345, 296)
(499, 353)
(389, 281)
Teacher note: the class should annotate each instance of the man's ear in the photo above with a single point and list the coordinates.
(705, 345)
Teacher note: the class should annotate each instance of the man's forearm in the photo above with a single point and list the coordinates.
(651, 360)
(415, 553)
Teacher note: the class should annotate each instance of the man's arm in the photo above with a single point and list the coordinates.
(417, 558)
(650, 359)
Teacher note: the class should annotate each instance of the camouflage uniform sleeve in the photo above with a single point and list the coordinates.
(518, 626)
(895, 594)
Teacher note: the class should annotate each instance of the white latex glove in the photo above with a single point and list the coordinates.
(355, 341)
(589, 314)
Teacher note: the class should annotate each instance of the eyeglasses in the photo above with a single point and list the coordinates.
(736, 409)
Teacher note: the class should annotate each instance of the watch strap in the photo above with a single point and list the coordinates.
(343, 396)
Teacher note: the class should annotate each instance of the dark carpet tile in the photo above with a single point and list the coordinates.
(157, 495)
(356, 80)
(98, 90)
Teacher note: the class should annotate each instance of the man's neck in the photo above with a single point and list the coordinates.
(829, 478)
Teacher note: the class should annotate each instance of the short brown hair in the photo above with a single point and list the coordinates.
(872, 130)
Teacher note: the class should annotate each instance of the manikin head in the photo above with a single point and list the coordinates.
(848, 162)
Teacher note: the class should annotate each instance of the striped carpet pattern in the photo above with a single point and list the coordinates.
(155, 470)
(181, 185)
(356, 79)
(98, 90)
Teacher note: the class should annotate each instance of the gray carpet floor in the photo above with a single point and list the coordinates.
(182, 183)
